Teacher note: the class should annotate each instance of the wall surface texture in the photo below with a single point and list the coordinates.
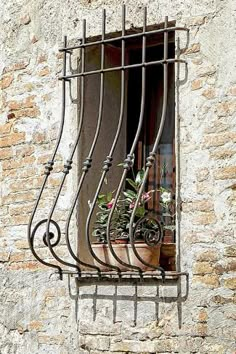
(41, 314)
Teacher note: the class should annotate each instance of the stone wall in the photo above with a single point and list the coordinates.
(39, 313)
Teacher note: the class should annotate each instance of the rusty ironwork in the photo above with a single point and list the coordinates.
(148, 226)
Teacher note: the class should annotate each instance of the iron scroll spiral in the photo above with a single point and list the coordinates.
(51, 234)
(149, 229)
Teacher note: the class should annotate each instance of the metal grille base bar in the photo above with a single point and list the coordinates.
(126, 277)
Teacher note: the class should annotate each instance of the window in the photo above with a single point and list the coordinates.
(162, 175)
(126, 148)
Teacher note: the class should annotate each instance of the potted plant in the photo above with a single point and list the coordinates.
(147, 230)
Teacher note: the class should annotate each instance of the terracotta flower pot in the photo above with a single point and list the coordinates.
(121, 241)
(167, 256)
(150, 255)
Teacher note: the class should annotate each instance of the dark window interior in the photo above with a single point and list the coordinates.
(162, 174)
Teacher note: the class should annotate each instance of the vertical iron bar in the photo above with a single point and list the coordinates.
(88, 161)
(87, 234)
(177, 166)
(63, 104)
(70, 159)
(67, 168)
(120, 123)
(152, 155)
(48, 169)
(108, 162)
(128, 163)
(73, 255)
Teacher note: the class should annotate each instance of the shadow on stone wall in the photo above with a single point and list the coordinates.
(127, 302)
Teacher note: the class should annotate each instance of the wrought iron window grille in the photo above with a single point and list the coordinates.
(94, 271)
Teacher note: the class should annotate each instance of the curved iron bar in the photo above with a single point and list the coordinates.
(73, 100)
(51, 234)
(128, 162)
(88, 161)
(108, 161)
(68, 167)
(48, 169)
(151, 158)
(73, 255)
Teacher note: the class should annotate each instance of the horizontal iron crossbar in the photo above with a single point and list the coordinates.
(124, 37)
(124, 67)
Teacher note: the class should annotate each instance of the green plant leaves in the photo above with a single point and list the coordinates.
(132, 183)
(109, 196)
(130, 195)
(139, 177)
(140, 212)
(124, 208)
